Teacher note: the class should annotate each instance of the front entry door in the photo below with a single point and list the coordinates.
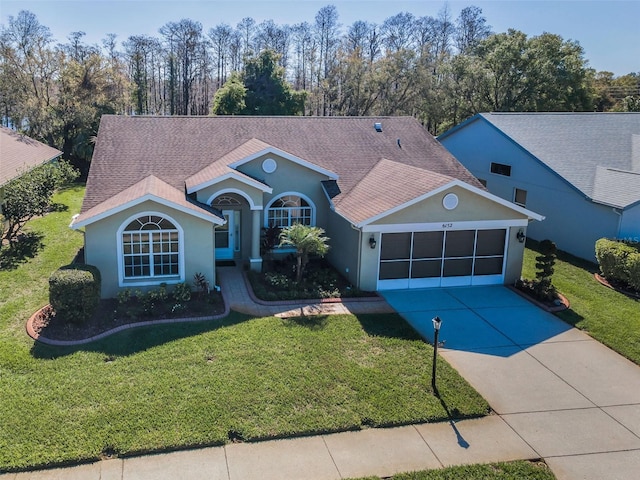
(224, 236)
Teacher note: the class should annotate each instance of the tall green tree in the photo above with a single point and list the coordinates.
(266, 90)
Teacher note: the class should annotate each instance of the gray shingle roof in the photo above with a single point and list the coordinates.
(177, 149)
(574, 145)
(19, 154)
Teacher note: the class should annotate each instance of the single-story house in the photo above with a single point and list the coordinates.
(19, 154)
(167, 197)
(580, 170)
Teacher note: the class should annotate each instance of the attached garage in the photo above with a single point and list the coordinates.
(419, 259)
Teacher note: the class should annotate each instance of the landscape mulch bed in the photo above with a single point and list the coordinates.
(45, 322)
(617, 288)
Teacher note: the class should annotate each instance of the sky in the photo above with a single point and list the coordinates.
(608, 30)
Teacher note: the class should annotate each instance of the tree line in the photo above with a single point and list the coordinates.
(439, 69)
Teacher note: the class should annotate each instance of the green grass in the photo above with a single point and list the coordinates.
(608, 316)
(520, 470)
(185, 385)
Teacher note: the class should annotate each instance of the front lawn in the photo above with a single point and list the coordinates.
(520, 470)
(176, 386)
(608, 316)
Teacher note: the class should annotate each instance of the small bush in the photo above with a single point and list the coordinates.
(182, 292)
(619, 262)
(74, 292)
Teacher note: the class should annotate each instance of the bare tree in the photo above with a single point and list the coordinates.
(471, 27)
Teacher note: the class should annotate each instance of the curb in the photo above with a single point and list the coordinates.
(560, 308)
(69, 343)
(304, 301)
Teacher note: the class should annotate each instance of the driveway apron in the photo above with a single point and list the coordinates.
(573, 400)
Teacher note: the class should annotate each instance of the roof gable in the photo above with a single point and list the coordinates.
(457, 183)
(149, 188)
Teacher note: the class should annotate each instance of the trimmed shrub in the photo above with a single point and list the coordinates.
(74, 292)
(619, 261)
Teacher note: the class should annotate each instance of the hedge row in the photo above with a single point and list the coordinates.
(619, 261)
(74, 292)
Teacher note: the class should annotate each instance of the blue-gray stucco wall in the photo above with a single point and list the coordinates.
(572, 221)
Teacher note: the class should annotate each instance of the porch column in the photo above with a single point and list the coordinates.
(256, 259)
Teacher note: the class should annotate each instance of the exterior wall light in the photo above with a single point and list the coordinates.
(372, 242)
(521, 236)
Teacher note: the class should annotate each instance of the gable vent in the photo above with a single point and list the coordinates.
(378, 126)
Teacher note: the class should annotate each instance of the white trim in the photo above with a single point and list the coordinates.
(162, 201)
(239, 176)
(265, 222)
(237, 191)
(145, 281)
(454, 183)
(438, 226)
(286, 156)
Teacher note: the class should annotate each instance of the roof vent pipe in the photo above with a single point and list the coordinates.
(378, 126)
(399, 145)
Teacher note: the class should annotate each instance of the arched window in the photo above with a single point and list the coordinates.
(288, 210)
(150, 248)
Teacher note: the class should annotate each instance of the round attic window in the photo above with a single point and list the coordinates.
(450, 201)
(269, 165)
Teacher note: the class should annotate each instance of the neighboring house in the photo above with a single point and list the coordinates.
(167, 197)
(580, 170)
(19, 154)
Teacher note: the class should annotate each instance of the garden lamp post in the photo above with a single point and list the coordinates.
(437, 322)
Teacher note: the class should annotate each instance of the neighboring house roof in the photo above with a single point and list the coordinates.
(581, 148)
(372, 171)
(19, 154)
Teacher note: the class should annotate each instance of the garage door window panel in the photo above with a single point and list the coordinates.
(394, 270)
(459, 243)
(457, 267)
(488, 266)
(427, 244)
(490, 242)
(426, 268)
(396, 246)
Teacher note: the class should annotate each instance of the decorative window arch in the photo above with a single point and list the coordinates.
(288, 209)
(150, 247)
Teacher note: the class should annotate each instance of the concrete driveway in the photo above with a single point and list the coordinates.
(573, 400)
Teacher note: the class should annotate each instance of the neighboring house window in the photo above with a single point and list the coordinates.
(288, 210)
(520, 197)
(483, 182)
(501, 169)
(150, 248)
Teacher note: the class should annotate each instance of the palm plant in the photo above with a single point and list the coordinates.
(307, 241)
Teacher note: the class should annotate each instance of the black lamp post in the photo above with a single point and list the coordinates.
(436, 329)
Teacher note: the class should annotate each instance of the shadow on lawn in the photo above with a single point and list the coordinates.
(27, 246)
(387, 325)
(139, 339)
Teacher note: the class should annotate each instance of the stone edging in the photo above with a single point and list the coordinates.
(560, 308)
(603, 281)
(310, 301)
(69, 343)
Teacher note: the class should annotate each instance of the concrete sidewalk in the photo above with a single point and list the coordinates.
(381, 452)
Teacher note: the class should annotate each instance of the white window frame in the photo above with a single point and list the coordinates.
(151, 279)
(312, 206)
